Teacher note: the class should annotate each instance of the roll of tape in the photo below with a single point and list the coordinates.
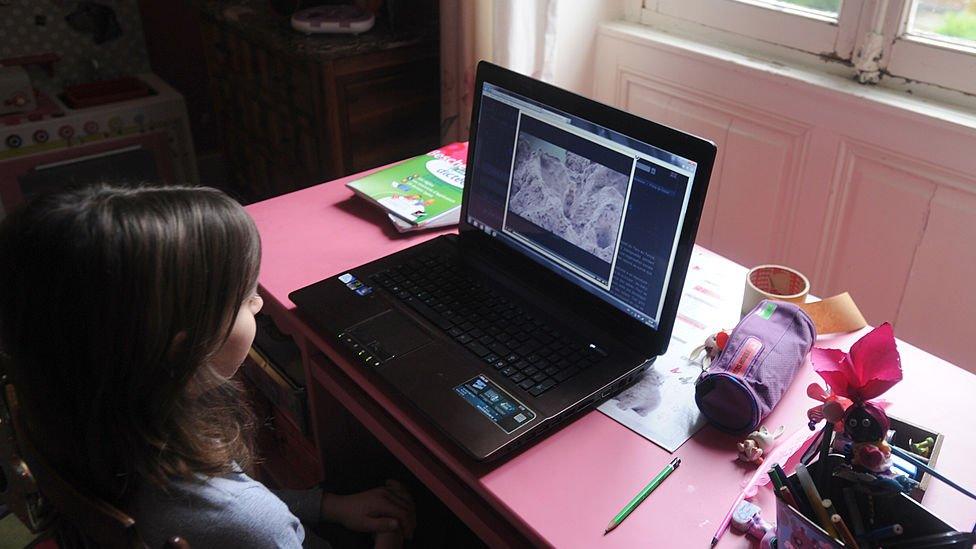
(774, 282)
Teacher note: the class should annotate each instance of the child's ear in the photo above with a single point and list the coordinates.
(175, 346)
(255, 303)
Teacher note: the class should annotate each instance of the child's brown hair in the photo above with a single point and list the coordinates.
(113, 302)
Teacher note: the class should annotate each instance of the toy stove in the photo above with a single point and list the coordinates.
(136, 140)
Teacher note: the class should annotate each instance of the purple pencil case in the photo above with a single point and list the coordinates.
(760, 360)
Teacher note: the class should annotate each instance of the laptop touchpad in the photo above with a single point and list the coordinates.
(389, 335)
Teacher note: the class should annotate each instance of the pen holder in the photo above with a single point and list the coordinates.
(794, 529)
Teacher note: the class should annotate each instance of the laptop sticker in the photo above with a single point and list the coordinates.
(495, 403)
(355, 284)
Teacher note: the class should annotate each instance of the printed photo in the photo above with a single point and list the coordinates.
(568, 195)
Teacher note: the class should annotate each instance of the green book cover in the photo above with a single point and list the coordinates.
(418, 190)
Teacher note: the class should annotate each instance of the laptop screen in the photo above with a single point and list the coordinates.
(596, 207)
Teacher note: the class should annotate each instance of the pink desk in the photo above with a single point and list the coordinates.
(564, 490)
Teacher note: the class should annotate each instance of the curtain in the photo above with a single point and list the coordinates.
(517, 34)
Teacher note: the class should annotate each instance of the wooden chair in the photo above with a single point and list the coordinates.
(45, 502)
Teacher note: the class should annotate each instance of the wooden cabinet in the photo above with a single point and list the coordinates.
(295, 110)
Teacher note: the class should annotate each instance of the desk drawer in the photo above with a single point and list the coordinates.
(285, 457)
(274, 367)
(283, 395)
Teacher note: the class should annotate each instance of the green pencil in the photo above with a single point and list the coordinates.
(643, 494)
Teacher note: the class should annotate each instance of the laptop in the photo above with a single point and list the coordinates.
(562, 284)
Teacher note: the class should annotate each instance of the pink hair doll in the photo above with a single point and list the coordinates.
(872, 367)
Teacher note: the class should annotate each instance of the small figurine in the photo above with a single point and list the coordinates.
(870, 369)
(747, 520)
(867, 424)
(709, 351)
(922, 448)
(759, 442)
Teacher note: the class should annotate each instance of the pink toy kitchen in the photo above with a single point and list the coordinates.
(78, 105)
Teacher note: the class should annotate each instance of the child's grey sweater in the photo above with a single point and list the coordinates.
(233, 510)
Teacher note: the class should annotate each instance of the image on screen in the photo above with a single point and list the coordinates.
(597, 207)
(564, 201)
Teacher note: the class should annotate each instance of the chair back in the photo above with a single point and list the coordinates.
(102, 524)
(45, 501)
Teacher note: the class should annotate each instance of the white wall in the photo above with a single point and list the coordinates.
(863, 190)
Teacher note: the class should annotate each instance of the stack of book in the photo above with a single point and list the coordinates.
(419, 193)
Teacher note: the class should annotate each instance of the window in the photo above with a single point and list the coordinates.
(887, 41)
(935, 42)
(817, 26)
(829, 8)
(951, 22)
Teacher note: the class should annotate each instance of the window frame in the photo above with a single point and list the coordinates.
(794, 28)
(906, 61)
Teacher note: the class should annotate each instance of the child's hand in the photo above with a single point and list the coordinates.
(388, 540)
(386, 509)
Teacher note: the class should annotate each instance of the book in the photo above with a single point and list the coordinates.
(421, 192)
(442, 221)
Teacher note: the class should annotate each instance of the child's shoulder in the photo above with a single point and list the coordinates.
(230, 509)
(230, 487)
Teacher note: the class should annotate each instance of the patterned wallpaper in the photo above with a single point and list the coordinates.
(39, 26)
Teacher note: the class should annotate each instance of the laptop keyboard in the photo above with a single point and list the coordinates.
(532, 354)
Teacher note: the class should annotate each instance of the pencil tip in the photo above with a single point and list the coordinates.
(714, 542)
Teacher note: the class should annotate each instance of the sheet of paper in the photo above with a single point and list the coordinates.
(661, 405)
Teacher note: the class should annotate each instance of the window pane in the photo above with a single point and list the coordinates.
(948, 20)
(826, 7)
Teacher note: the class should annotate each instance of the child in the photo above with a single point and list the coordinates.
(124, 313)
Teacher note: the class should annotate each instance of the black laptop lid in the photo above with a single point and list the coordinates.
(582, 196)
